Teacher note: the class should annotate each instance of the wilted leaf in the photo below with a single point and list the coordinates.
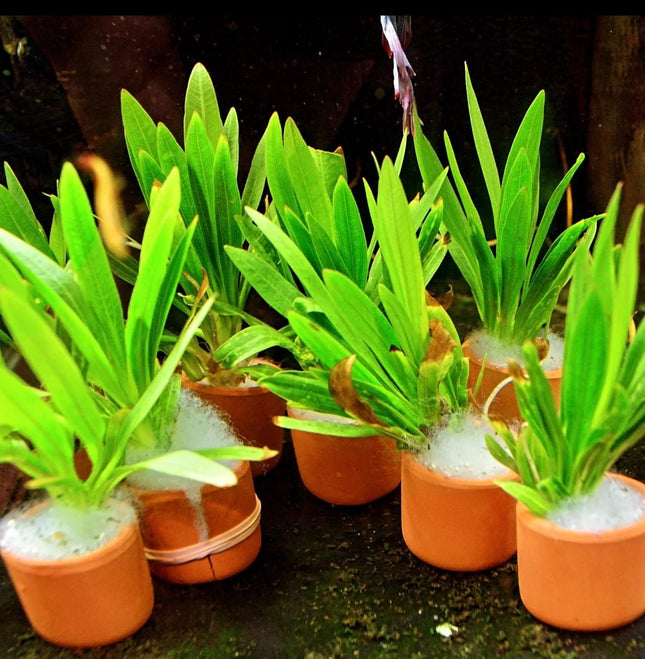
(442, 343)
(542, 345)
(343, 392)
(516, 370)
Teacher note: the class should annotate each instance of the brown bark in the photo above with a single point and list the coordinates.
(616, 130)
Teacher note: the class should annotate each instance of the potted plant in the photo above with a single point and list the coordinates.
(76, 591)
(516, 277)
(120, 357)
(208, 168)
(313, 225)
(394, 368)
(313, 207)
(581, 525)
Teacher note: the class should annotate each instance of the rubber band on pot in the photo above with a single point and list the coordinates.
(214, 545)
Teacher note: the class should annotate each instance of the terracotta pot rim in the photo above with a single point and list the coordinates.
(252, 389)
(551, 374)
(545, 527)
(456, 482)
(70, 563)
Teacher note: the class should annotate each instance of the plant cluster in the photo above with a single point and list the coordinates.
(393, 362)
(369, 341)
(564, 453)
(313, 224)
(208, 165)
(516, 277)
(100, 383)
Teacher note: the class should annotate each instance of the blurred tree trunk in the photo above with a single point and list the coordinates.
(616, 129)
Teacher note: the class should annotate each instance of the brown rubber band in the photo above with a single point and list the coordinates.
(214, 545)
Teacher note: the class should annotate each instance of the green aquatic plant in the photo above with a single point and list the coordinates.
(562, 454)
(314, 223)
(100, 384)
(208, 168)
(394, 364)
(515, 276)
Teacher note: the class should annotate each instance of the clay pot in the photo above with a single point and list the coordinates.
(250, 410)
(88, 600)
(346, 471)
(455, 523)
(581, 581)
(505, 404)
(192, 542)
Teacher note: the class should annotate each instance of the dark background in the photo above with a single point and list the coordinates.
(61, 77)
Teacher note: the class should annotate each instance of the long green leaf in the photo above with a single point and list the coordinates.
(42, 271)
(511, 257)
(201, 166)
(53, 366)
(278, 175)
(527, 139)
(350, 233)
(91, 267)
(227, 206)
(17, 217)
(140, 135)
(398, 244)
(305, 177)
(232, 133)
(274, 289)
(549, 213)
(372, 334)
(171, 156)
(153, 261)
(257, 176)
(101, 370)
(468, 245)
(149, 397)
(201, 99)
(483, 146)
(249, 342)
(24, 411)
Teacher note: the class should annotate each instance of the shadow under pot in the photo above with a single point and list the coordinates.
(250, 409)
(90, 599)
(203, 534)
(346, 471)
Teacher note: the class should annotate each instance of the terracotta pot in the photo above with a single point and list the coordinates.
(346, 471)
(504, 405)
(89, 600)
(578, 580)
(455, 523)
(192, 542)
(251, 410)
